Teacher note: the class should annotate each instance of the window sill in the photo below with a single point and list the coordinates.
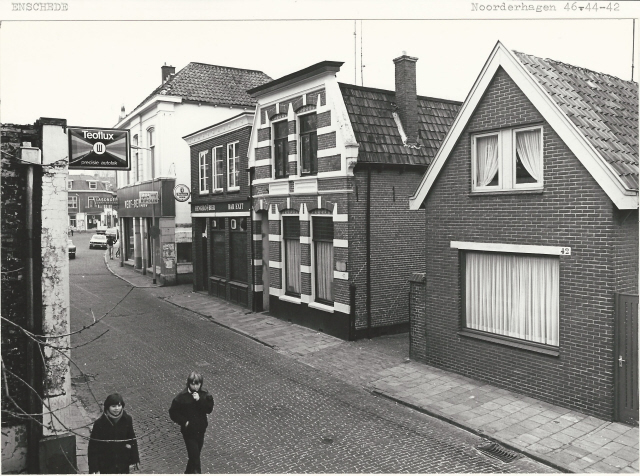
(217, 191)
(218, 279)
(511, 342)
(290, 299)
(204, 192)
(233, 189)
(322, 307)
(238, 284)
(477, 193)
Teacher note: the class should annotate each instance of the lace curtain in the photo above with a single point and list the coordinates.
(513, 295)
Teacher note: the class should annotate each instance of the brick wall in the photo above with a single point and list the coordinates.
(572, 211)
(417, 329)
(240, 135)
(396, 246)
(626, 251)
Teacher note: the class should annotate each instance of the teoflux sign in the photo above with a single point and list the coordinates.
(92, 148)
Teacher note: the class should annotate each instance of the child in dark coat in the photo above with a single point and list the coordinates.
(189, 410)
(113, 445)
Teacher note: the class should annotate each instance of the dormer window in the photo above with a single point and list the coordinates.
(309, 144)
(509, 159)
(69, 184)
(92, 185)
(281, 148)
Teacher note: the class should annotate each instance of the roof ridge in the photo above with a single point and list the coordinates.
(581, 68)
(369, 88)
(225, 67)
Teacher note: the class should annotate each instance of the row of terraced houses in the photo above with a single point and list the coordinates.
(501, 232)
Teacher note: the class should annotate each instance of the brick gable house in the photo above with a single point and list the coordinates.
(333, 168)
(220, 210)
(532, 237)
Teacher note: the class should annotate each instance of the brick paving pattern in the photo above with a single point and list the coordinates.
(273, 413)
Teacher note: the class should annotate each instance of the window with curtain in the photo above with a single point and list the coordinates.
(323, 258)
(281, 148)
(203, 171)
(91, 202)
(218, 168)
(232, 166)
(309, 144)
(509, 159)
(513, 295)
(72, 201)
(291, 236)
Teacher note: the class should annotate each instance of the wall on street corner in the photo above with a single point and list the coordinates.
(55, 273)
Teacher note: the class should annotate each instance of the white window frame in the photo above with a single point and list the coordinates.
(89, 200)
(217, 187)
(74, 201)
(506, 161)
(151, 145)
(93, 185)
(236, 172)
(203, 179)
(514, 250)
(136, 166)
(69, 184)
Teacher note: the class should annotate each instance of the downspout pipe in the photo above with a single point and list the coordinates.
(34, 322)
(254, 306)
(368, 250)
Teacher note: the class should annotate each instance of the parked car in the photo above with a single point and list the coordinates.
(98, 241)
(101, 230)
(113, 231)
(72, 249)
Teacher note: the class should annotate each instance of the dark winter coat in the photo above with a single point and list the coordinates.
(185, 408)
(112, 457)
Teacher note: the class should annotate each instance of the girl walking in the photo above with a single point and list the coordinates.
(189, 409)
(113, 445)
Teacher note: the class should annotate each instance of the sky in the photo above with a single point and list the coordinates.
(83, 64)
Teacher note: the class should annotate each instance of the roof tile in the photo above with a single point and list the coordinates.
(604, 108)
(371, 114)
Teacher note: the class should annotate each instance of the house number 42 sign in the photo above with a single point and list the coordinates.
(565, 251)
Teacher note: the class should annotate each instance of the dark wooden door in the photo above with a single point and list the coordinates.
(626, 358)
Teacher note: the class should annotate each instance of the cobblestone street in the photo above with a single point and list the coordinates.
(272, 414)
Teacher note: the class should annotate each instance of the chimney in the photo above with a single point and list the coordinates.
(122, 113)
(167, 71)
(406, 95)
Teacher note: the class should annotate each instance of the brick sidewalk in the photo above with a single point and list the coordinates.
(565, 439)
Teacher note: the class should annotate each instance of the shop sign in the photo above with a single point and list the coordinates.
(93, 148)
(181, 193)
(222, 207)
(106, 201)
(149, 197)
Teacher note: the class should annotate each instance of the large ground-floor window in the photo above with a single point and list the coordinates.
(513, 295)
(323, 258)
(238, 262)
(218, 251)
